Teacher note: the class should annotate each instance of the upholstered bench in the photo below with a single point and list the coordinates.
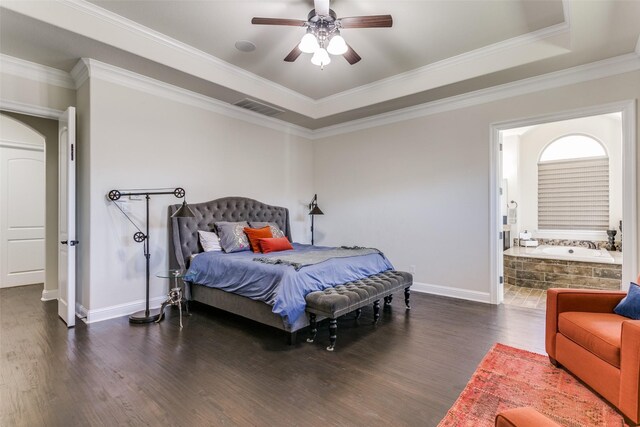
(342, 299)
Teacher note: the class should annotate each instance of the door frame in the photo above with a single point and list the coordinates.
(45, 113)
(28, 147)
(629, 186)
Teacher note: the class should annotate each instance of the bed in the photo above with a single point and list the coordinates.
(183, 235)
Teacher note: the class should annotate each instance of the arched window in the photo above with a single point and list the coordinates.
(572, 147)
(573, 185)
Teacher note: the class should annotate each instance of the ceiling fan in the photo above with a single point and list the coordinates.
(323, 33)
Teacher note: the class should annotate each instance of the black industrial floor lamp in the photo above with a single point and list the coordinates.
(140, 237)
(313, 211)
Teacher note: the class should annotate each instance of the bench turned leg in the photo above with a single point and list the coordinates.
(314, 327)
(333, 333)
(358, 313)
(407, 296)
(388, 299)
(376, 311)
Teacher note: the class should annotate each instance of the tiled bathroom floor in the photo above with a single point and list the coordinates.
(525, 297)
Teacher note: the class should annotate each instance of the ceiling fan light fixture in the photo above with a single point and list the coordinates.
(309, 43)
(337, 45)
(321, 58)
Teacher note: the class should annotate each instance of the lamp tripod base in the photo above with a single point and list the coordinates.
(140, 317)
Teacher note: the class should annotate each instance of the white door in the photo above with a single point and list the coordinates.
(22, 205)
(67, 217)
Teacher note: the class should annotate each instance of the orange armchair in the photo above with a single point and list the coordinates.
(601, 348)
(523, 417)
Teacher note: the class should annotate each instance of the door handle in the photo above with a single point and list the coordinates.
(70, 242)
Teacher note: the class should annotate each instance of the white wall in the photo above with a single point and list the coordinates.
(603, 128)
(419, 189)
(510, 173)
(139, 140)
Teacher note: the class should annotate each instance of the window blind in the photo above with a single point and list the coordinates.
(574, 194)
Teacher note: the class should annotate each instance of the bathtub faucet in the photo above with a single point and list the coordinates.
(589, 244)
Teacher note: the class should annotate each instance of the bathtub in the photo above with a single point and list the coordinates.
(549, 266)
(572, 253)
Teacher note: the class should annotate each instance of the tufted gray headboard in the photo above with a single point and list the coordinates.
(183, 232)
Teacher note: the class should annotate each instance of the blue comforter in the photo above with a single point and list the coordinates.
(280, 285)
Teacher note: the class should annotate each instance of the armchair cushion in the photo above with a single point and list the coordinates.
(598, 333)
(630, 305)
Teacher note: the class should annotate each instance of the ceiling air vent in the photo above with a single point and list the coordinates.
(258, 107)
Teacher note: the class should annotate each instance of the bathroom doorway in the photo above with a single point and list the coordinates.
(566, 204)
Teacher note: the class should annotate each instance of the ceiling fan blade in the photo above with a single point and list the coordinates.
(373, 21)
(293, 55)
(279, 21)
(321, 7)
(351, 56)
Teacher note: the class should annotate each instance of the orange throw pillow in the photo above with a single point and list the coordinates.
(275, 244)
(257, 233)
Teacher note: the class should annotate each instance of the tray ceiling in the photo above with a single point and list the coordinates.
(434, 50)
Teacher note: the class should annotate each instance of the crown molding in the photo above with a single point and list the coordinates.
(90, 68)
(80, 72)
(40, 73)
(29, 109)
(582, 73)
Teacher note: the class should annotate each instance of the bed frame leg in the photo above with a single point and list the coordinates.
(333, 334)
(407, 296)
(376, 311)
(314, 327)
(387, 300)
(358, 313)
(291, 339)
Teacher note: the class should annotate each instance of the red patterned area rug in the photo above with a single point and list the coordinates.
(509, 377)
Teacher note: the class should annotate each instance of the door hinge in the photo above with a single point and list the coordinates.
(501, 191)
(500, 235)
(500, 146)
(501, 279)
(72, 152)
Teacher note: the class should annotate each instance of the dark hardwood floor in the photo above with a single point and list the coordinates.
(224, 370)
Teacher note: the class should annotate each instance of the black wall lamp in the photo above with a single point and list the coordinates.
(313, 211)
(140, 237)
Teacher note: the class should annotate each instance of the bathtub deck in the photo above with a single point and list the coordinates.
(542, 273)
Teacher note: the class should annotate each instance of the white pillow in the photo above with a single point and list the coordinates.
(209, 241)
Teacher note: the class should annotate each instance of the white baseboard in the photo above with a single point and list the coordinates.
(81, 312)
(447, 291)
(100, 314)
(48, 295)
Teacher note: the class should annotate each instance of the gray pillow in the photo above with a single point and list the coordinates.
(275, 230)
(232, 237)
